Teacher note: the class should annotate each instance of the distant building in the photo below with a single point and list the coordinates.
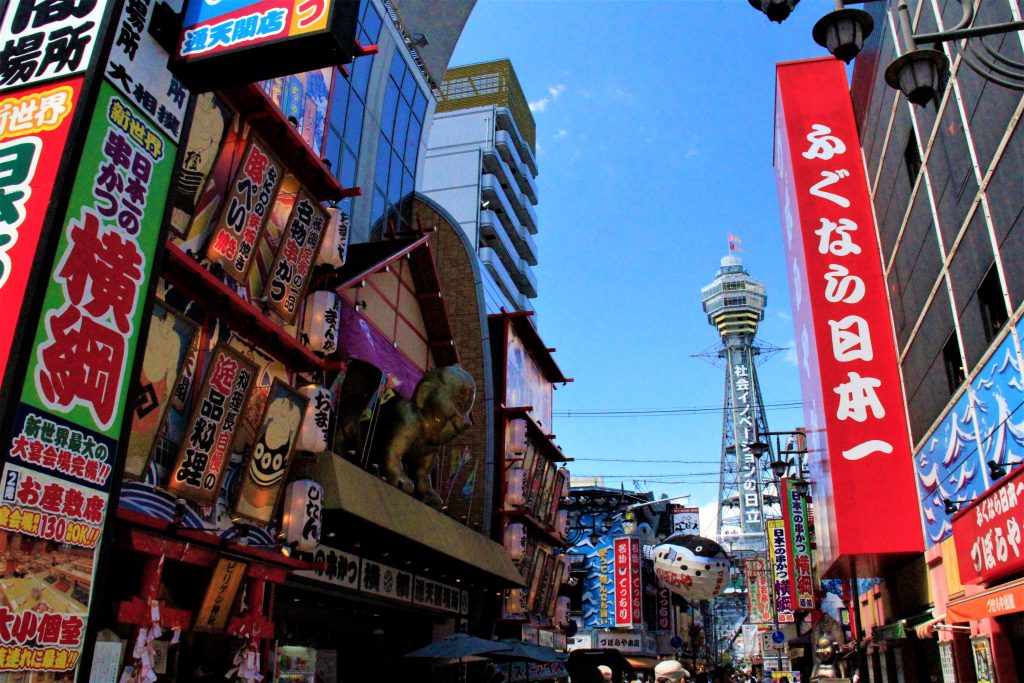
(481, 166)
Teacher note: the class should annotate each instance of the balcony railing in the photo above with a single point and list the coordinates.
(495, 237)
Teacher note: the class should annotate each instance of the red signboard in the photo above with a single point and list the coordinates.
(34, 126)
(628, 595)
(988, 533)
(794, 513)
(857, 427)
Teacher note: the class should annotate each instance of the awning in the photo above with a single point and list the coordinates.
(889, 632)
(927, 629)
(349, 489)
(995, 602)
(638, 662)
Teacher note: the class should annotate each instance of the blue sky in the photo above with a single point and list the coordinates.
(654, 135)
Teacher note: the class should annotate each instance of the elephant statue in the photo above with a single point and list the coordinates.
(402, 436)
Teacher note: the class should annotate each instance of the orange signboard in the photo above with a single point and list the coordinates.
(996, 602)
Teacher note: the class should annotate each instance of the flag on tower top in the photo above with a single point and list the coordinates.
(734, 242)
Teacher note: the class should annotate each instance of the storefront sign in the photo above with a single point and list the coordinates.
(599, 586)
(759, 595)
(525, 383)
(628, 592)
(220, 595)
(853, 398)
(168, 345)
(948, 663)
(664, 616)
(626, 643)
(685, 520)
(781, 569)
(138, 68)
(44, 40)
(385, 581)
(34, 128)
(289, 274)
(794, 512)
(57, 477)
(995, 602)
(263, 478)
(988, 533)
(241, 222)
(580, 641)
(206, 449)
(244, 41)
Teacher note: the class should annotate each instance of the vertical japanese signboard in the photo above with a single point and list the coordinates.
(745, 411)
(599, 587)
(794, 513)
(218, 603)
(241, 223)
(854, 407)
(206, 449)
(57, 477)
(989, 534)
(628, 591)
(34, 126)
(289, 274)
(43, 41)
(779, 558)
(759, 594)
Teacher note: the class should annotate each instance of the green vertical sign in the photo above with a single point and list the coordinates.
(57, 476)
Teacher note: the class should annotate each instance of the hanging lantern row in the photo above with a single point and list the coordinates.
(316, 421)
(303, 511)
(515, 540)
(320, 322)
(514, 494)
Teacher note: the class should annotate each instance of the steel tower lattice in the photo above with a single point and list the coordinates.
(734, 303)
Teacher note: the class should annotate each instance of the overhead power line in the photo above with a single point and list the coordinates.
(664, 412)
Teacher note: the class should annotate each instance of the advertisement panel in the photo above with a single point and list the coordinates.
(987, 533)
(664, 602)
(781, 569)
(853, 398)
(303, 98)
(628, 590)
(218, 603)
(599, 586)
(57, 477)
(289, 274)
(525, 383)
(685, 520)
(47, 40)
(759, 596)
(34, 126)
(794, 512)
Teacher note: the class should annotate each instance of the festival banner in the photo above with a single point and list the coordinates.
(169, 343)
(243, 218)
(205, 452)
(794, 512)
(289, 274)
(759, 594)
(779, 554)
(72, 404)
(263, 478)
(34, 125)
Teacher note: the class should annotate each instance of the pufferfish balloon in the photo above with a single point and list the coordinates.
(694, 567)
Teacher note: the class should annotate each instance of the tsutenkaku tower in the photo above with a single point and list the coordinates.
(735, 305)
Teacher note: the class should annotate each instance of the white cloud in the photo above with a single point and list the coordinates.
(539, 105)
(709, 519)
(561, 134)
(789, 355)
(692, 152)
(542, 104)
(556, 90)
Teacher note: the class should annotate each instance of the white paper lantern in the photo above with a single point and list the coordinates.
(334, 248)
(561, 616)
(514, 494)
(515, 540)
(514, 601)
(563, 523)
(303, 507)
(320, 322)
(316, 421)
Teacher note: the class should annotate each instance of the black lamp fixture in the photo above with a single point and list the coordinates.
(919, 73)
(776, 10)
(758, 448)
(801, 486)
(996, 470)
(779, 468)
(951, 506)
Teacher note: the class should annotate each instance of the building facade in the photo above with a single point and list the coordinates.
(481, 165)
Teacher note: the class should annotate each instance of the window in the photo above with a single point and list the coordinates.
(735, 301)
(912, 158)
(953, 363)
(992, 303)
(733, 286)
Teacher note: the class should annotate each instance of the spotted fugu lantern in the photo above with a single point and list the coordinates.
(694, 567)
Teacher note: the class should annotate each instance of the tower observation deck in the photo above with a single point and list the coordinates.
(735, 303)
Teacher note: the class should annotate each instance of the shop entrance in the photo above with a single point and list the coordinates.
(1014, 625)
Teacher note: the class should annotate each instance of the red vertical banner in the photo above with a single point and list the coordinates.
(794, 513)
(635, 583)
(758, 595)
(779, 557)
(664, 608)
(34, 125)
(853, 398)
(623, 583)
